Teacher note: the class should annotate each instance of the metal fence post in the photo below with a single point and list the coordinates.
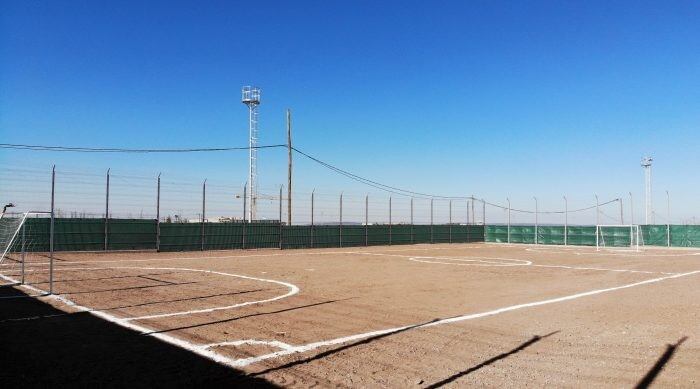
(469, 231)
(281, 229)
(483, 213)
(450, 224)
(245, 226)
(312, 217)
(432, 237)
(536, 222)
(566, 221)
(340, 226)
(473, 213)
(597, 212)
(52, 229)
(158, 215)
(390, 221)
(622, 212)
(668, 217)
(468, 217)
(412, 232)
(204, 209)
(631, 210)
(508, 200)
(107, 213)
(367, 220)
(24, 225)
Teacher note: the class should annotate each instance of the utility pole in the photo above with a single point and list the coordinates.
(622, 212)
(566, 220)
(107, 212)
(646, 165)
(289, 167)
(631, 209)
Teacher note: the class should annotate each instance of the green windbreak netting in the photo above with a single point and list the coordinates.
(402, 234)
(180, 236)
(262, 235)
(550, 235)
(327, 236)
(353, 235)
(377, 235)
(497, 234)
(554, 235)
(221, 236)
(73, 234)
(131, 234)
(685, 236)
(581, 235)
(297, 237)
(522, 234)
(422, 234)
(610, 236)
(653, 235)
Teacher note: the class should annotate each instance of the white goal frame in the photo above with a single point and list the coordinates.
(635, 236)
(19, 235)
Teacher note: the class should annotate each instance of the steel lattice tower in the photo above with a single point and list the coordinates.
(646, 165)
(250, 96)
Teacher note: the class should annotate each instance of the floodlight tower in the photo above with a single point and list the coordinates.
(250, 96)
(646, 165)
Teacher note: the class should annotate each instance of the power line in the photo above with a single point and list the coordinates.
(406, 192)
(355, 177)
(127, 150)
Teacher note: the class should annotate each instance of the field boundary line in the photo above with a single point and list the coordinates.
(315, 345)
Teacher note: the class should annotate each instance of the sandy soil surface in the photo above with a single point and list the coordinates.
(419, 316)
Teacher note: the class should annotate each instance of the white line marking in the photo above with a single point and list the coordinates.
(604, 269)
(312, 346)
(204, 351)
(476, 262)
(277, 254)
(293, 289)
(199, 350)
(274, 343)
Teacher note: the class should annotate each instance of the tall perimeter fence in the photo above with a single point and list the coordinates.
(99, 211)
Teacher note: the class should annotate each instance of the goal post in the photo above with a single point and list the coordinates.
(619, 236)
(23, 244)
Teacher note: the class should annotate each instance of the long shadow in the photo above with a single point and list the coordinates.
(82, 350)
(659, 365)
(489, 361)
(131, 305)
(92, 279)
(246, 316)
(128, 288)
(339, 349)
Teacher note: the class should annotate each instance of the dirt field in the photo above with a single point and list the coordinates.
(401, 316)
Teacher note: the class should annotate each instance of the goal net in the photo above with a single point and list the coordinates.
(24, 242)
(619, 236)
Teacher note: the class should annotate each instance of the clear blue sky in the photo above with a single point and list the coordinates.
(485, 97)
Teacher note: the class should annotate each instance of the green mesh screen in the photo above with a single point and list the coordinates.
(614, 236)
(653, 235)
(141, 234)
(685, 236)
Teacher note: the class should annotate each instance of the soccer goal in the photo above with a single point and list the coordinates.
(26, 249)
(619, 236)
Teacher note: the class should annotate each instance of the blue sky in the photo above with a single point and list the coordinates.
(489, 98)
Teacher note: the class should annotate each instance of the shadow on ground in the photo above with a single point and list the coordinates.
(489, 361)
(660, 363)
(82, 350)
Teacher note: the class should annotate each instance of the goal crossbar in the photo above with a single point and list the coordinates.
(632, 230)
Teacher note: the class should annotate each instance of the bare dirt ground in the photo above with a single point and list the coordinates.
(402, 316)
